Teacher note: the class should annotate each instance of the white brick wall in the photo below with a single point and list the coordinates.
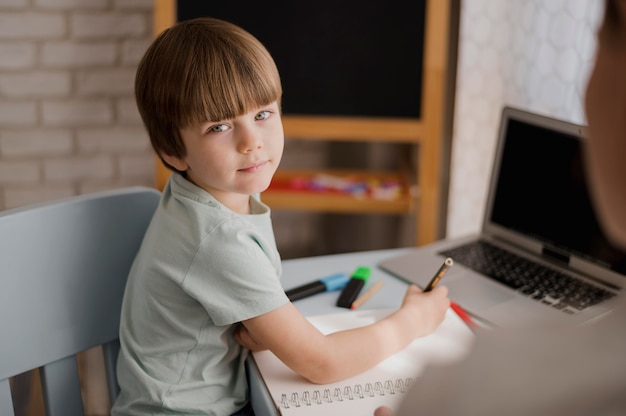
(17, 55)
(68, 120)
(78, 54)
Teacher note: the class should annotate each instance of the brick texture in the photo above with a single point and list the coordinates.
(68, 121)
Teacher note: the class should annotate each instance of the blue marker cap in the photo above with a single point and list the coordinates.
(335, 281)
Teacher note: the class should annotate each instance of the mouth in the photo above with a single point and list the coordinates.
(253, 168)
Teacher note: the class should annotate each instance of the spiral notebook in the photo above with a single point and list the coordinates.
(383, 385)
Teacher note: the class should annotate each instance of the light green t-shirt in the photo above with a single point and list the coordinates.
(201, 269)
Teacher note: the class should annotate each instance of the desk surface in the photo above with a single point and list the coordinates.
(297, 272)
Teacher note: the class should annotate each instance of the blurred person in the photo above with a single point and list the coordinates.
(565, 370)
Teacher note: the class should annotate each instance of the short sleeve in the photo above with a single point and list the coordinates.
(235, 274)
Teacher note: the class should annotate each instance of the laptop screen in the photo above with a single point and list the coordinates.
(541, 191)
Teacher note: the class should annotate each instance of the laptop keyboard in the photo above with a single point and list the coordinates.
(538, 282)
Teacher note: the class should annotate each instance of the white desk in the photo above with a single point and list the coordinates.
(297, 272)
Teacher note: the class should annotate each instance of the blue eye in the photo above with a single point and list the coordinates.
(218, 128)
(263, 115)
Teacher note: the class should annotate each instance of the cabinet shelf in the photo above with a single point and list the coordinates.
(341, 191)
(392, 130)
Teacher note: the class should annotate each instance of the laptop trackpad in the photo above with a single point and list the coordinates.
(476, 296)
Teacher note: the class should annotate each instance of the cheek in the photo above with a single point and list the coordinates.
(603, 96)
(280, 145)
(207, 162)
(592, 101)
(278, 139)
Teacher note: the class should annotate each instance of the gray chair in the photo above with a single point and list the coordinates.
(63, 268)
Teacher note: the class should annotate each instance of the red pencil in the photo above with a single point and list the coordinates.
(463, 315)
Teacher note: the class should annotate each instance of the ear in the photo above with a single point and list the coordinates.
(176, 162)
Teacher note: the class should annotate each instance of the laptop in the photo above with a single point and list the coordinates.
(540, 256)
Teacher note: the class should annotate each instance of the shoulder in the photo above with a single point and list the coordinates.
(526, 371)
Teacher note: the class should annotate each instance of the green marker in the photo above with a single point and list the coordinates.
(351, 291)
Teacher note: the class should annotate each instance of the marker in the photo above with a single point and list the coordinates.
(354, 286)
(463, 315)
(325, 284)
(442, 270)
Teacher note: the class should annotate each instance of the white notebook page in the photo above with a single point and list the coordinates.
(381, 385)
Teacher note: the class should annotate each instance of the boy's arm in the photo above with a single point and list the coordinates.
(243, 337)
(328, 358)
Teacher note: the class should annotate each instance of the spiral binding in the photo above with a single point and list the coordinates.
(336, 394)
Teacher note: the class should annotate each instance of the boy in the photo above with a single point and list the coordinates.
(556, 371)
(205, 286)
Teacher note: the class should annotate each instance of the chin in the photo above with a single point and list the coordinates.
(258, 187)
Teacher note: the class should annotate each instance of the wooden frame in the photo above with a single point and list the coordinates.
(427, 132)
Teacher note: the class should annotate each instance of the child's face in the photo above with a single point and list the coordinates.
(233, 159)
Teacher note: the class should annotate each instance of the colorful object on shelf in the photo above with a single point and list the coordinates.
(371, 187)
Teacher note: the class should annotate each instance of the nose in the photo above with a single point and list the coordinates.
(249, 140)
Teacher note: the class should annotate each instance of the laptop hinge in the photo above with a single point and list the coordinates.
(553, 254)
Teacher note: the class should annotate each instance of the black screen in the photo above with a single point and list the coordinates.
(340, 58)
(542, 192)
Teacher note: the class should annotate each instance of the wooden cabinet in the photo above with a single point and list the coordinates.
(424, 190)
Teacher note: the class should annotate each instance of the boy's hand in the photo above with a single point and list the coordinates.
(246, 340)
(425, 310)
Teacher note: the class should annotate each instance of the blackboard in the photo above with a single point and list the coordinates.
(336, 58)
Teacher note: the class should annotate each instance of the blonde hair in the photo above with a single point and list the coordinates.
(198, 70)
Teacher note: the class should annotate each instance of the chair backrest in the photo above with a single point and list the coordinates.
(63, 268)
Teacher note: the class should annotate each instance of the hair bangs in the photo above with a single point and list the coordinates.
(232, 85)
